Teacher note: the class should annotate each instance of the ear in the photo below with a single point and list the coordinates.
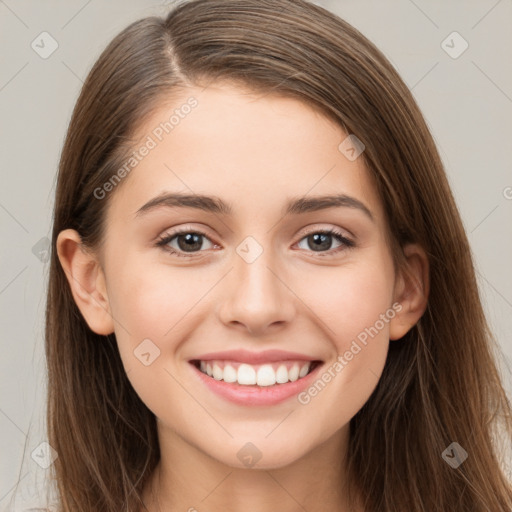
(86, 280)
(411, 291)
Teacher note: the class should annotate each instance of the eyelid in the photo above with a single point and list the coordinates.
(184, 228)
(306, 231)
(309, 230)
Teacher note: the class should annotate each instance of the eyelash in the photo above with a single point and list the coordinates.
(165, 239)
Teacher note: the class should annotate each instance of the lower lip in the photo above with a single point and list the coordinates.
(256, 395)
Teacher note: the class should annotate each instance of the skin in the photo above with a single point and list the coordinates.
(254, 152)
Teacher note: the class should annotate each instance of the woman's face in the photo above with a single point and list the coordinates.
(255, 284)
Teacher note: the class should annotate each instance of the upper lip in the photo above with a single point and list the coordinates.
(246, 356)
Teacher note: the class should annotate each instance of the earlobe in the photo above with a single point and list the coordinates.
(411, 291)
(86, 280)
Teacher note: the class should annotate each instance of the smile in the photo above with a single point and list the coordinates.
(260, 382)
(269, 374)
(259, 375)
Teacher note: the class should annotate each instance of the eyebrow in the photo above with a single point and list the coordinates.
(214, 204)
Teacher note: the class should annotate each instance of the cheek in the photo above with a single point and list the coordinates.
(354, 309)
(149, 298)
(146, 304)
(147, 308)
(153, 306)
(349, 299)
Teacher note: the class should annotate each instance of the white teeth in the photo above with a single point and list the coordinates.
(230, 374)
(217, 372)
(304, 370)
(282, 375)
(266, 376)
(248, 375)
(293, 374)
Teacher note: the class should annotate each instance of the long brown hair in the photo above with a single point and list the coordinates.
(440, 383)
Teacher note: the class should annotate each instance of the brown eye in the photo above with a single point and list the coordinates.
(321, 241)
(187, 241)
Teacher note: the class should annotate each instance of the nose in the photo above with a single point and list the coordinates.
(256, 297)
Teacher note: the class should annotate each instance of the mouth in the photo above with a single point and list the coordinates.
(269, 374)
(247, 378)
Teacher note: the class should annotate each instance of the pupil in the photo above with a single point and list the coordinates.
(191, 239)
(321, 237)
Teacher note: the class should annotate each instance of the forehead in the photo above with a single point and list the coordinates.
(253, 150)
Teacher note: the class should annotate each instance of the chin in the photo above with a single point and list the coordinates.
(258, 454)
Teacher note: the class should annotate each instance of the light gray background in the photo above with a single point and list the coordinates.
(467, 103)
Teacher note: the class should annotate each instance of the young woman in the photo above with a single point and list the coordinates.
(261, 294)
